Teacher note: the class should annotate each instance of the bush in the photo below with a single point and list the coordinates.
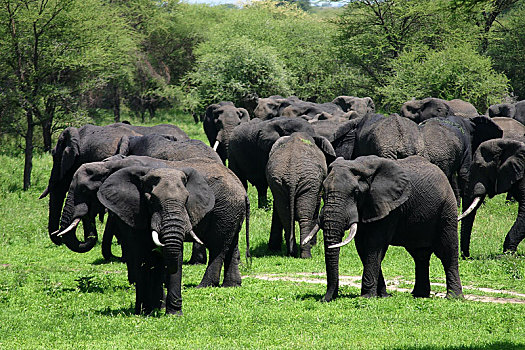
(457, 71)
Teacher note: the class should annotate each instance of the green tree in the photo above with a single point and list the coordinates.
(457, 71)
(50, 52)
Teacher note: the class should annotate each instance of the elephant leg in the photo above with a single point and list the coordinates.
(109, 231)
(466, 229)
(276, 232)
(212, 274)
(421, 258)
(174, 286)
(371, 258)
(305, 226)
(517, 231)
(262, 198)
(232, 275)
(453, 180)
(198, 254)
(381, 286)
(153, 272)
(446, 250)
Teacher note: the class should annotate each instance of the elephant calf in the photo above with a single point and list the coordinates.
(383, 202)
(295, 171)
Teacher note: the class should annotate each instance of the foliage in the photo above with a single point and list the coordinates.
(507, 48)
(454, 72)
(57, 299)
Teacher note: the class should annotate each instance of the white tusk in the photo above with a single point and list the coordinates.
(311, 234)
(155, 237)
(351, 235)
(216, 145)
(470, 209)
(69, 228)
(195, 237)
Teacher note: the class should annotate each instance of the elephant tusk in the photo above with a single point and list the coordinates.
(73, 225)
(45, 193)
(194, 236)
(470, 209)
(311, 234)
(216, 145)
(351, 235)
(155, 237)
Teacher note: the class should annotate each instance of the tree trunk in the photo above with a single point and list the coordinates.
(116, 104)
(28, 161)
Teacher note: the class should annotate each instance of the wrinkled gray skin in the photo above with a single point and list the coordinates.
(161, 129)
(250, 145)
(508, 110)
(310, 109)
(421, 110)
(391, 137)
(166, 148)
(219, 121)
(450, 142)
(271, 107)
(511, 127)
(498, 167)
(407, 203)
(295, 171)
(135, 212)
(357, 106)
(90, 143)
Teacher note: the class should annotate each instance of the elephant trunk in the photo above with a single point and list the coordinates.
(332, 265)
(172, 249)
(56, 200)
(172, 229)
(466, 226)
(90, 237)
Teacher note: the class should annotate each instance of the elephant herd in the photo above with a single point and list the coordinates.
(388, 180)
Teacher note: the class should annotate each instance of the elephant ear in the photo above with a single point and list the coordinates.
(344, 139)
(388, 186)
(434, 108)
(512, 166)
(69, 146)
(121, 195)
(326, 147)
(484, 129)
(123, 146)
(370, 104)
(244, 116)
(201, 199)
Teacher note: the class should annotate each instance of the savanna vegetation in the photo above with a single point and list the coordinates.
(66, 62)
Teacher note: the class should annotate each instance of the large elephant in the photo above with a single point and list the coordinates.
(383, 202)
(271, 107)
(250, 145)
(218, 230)
(295, 171)
(508, 110)
(355, 107)
(310, 110)
(498, 167)
(421, 110)
(219, 121)
(89, 143)
(391, 137)
(161, 129)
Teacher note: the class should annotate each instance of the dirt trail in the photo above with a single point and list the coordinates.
(393, 285)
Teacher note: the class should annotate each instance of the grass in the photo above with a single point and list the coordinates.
(51, 297)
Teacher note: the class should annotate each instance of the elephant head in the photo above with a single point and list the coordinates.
(355, 106)
(271, 107)
(270, 131)
(421, 110)
(165, 202)
(507, 110)
(219, 121)
(364, 190)
(498, 164)
(65, 156)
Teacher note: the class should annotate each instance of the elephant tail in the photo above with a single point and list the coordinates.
(248, 255)
(292, 216)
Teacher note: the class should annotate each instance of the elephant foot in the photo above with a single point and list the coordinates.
(306, 254)
(421, 293)
(385, 295)
(206, 284)
(274, 246)
(174, 312)
(196, 261)
(454, 295)
(228, 284)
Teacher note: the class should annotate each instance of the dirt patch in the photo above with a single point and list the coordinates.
(393, 285)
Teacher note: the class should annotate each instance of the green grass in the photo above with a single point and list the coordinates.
(53, 298)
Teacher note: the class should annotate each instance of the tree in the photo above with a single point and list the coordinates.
(50, 52)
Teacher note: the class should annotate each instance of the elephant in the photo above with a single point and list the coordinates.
(296, 168)
(310, 109)
(509, 110)
(165, 147)
(391, 137)
(421, 110)
(219, 121)
(161, 129)
(383, 202)
(498, 167)
(250, 146)
(511, 127)
(271, 107)
(89, 143)
(132, 208)
(356, 106)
